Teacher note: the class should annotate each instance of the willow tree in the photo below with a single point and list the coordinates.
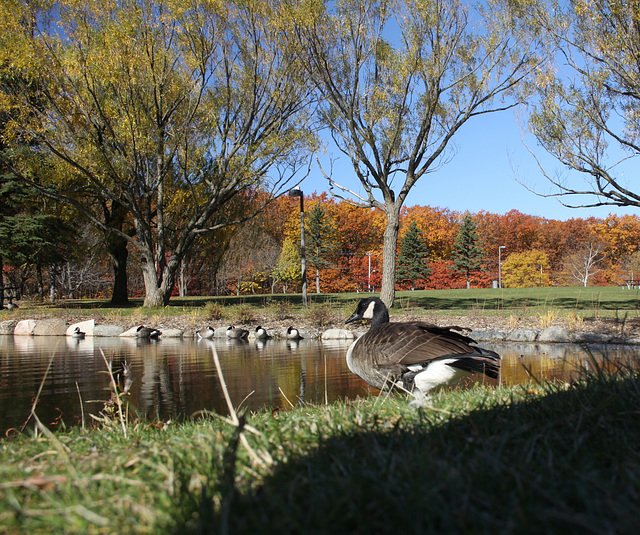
(398, 80)
(587, 114)
(157, 115)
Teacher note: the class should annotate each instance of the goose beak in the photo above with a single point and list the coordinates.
(354, 317)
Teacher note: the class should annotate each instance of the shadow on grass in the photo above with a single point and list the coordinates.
(565, 462)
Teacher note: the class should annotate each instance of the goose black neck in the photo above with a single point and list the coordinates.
(380, 316)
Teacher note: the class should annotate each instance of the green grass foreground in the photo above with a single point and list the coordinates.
(551, 458)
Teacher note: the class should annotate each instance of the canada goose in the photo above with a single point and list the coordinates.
(77, 333)
(11, 306)
(261, 333)
(415, 356)
(235, 333)
(147, 332)
(293, 334)
(206, 332)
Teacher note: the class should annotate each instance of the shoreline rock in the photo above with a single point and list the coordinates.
(554, 334)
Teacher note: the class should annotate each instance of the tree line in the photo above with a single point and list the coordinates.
(438, 249)
(152, 129)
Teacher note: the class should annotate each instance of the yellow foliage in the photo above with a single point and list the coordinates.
(288, 268)
(524, 270)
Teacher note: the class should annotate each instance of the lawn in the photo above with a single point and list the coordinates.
(540, 458)
(546, 458)
(586, 302)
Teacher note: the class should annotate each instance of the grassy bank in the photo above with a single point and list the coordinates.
(539, 459)
(586, 302)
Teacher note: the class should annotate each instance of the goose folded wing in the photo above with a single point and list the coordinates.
(409, 344)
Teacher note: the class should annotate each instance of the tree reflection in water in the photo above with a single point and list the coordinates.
(173, 378)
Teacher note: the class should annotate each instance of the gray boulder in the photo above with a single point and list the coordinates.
(24, 328)
(171, 333)
(337, 334)
(108, 330)
(8, 326)
(487, 336)
(592, 338)
(50, 327)
(555, 334)
(522, 335)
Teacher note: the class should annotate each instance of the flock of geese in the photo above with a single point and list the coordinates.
(415, 357)
(235, 333)
(205, 333)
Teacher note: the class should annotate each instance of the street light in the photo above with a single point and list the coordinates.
(500, 265)
(303, 259)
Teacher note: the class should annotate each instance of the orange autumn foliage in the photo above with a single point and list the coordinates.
(356, 258)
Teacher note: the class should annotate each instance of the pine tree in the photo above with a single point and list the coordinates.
(467, 254)
(413, 262)
(320, 232)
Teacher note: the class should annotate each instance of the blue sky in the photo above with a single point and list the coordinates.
(482, 175)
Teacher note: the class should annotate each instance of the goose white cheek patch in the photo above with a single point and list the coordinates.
(368, 314)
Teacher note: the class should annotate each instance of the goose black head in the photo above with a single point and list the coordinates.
(371, 308)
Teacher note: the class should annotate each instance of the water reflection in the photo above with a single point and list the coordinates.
(171, 378)
(523, 363)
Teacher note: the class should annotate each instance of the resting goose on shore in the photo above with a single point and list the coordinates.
(293, 334)
(236, 333)
(205, 332)
(147, 332)
(261, 333)
(414, 356)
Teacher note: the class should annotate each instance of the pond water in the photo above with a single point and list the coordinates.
(173, 378)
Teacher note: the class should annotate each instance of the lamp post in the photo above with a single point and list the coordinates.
(303, 258)
(500, 265)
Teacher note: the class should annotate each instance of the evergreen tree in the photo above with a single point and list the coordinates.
(29, 237)
(319, 231)
(467, 254)
(413, 262)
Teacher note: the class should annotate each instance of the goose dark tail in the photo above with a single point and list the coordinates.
(487, 362)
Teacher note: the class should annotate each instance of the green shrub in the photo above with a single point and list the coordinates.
(214, 310)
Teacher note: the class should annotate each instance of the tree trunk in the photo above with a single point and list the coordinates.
(390, 244)
(52, 283)
(182, 280)
(153, 295)
(114, 217)
(169, 277)
(1, 283)
(40, 282)
(317, 280)
(119, 255)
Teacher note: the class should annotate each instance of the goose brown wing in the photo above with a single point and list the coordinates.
(412, 343)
